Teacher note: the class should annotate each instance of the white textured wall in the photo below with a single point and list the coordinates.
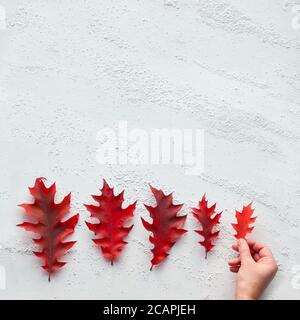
(67, 68)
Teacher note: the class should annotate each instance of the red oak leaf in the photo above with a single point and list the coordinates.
(166, 225)
(244, 220)
(208, 219)
(112, 217)
(47, 216)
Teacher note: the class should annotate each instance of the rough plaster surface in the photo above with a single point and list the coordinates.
(68, 68)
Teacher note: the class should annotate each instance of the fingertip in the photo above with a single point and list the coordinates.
(229, 262)
(234, 262)
(234, 269)
(256, 257)
(234, 247)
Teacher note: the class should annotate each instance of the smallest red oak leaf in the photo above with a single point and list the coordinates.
(209, 219)
(110, 229)
(244, 222)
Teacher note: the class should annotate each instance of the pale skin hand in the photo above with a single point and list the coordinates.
(255, 267)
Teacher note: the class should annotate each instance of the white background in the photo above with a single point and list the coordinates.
(69, 68)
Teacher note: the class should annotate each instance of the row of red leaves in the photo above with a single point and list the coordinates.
(111, 230)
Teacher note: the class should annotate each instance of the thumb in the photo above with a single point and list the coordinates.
(244, 251)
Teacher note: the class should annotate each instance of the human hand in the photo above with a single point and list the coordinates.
(255, 268)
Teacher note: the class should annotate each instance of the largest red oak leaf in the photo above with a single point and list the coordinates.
(110, 230)
(48, 224)
(166, 225)
(208, 219)
(244, 222)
